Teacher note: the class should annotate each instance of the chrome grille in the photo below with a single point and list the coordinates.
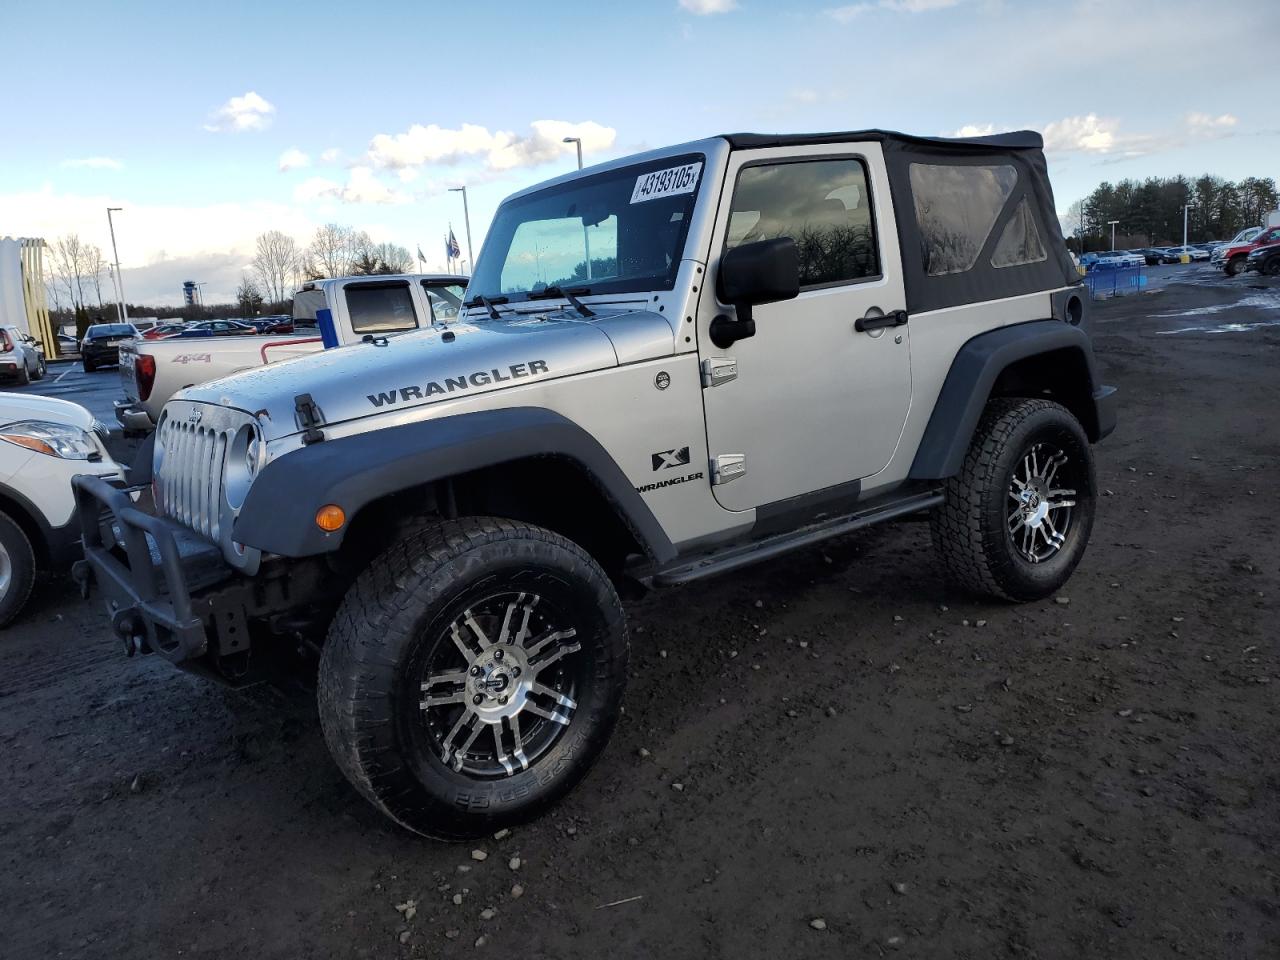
(190, 476)
(193, 479)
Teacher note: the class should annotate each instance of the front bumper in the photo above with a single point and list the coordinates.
(148, 569)
(133, 418)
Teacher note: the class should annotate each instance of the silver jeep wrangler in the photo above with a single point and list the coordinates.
(668, 366)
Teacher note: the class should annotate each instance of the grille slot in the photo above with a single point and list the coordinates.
(191, 475)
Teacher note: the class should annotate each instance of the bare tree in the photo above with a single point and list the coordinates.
(248, 296)
(331, 250)
(274, 264)
(393, 258)
(95, 267)
(69, 258)
(364, 255)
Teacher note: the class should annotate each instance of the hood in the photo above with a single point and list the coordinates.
(28, 406)
(436, 365)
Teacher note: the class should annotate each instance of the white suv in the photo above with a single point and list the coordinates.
(21, 358)
(43, 443)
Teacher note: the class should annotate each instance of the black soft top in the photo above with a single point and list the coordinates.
(956, 251)
(1014, 140)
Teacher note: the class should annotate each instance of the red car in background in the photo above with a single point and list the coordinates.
(1232, 259)
(162, 331)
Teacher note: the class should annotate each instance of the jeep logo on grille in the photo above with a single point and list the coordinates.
(671, 458)
(195, 416)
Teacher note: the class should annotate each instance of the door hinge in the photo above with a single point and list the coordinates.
(718, 370)
(728, 466)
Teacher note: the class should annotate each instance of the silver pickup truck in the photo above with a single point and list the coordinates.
(326, 313)
(669, 366)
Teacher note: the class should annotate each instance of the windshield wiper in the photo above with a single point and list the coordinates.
(481, 300)
(571, 295)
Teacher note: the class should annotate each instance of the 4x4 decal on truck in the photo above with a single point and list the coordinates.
(481, 378)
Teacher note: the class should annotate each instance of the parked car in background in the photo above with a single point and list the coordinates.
(163, 331)
(279, 323)
(44, 442)
(68, 345)
(1156, 255)
(1112, 259)
(21, 357)
(216, 328)
(1195, 254)
(1234, 258)
(326, 313)
(101, 344)
(1265, 260)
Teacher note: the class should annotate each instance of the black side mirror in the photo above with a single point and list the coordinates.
(766, 271)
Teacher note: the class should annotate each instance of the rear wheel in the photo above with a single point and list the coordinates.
(24, 375)
(1016, 519)
(17, 569)
(472, 675)
(1234, 266)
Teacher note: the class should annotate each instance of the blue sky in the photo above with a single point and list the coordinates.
(185, 116)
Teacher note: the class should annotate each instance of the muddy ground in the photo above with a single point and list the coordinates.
(1095, 776)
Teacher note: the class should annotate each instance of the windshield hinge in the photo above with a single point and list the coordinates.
(718, 370)
(728, 466)
(309, 418)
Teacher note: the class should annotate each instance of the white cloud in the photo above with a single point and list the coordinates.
(1204, 123)
(852, 11)
(1087, 134)
(249, 112)
(332, 155)
(94, 163)
(974, 130)
(160, 245)
(500, 150)
(362, 186)
(704, 8)
(293, 159)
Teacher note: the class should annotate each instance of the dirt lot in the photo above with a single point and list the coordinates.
(1095, 776)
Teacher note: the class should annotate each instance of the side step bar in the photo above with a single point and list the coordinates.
(743, 554)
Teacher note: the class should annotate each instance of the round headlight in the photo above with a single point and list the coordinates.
(245, 456)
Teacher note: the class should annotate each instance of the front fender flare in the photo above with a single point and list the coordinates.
(278, 515)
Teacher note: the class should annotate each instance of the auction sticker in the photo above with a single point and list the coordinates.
(667, 183)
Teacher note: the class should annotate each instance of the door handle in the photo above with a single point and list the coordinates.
(895, 318)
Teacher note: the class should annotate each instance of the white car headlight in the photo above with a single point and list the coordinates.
(51, 439)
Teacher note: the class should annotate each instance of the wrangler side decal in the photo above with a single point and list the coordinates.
(669, 483)
(481, 378)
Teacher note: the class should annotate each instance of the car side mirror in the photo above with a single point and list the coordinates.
(766, 271)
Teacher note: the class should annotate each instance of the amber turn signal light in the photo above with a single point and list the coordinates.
(330, 517)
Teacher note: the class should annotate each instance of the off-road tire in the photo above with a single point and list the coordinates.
(1234, 266)
(392, 619)
(20, 561)
(970, 528)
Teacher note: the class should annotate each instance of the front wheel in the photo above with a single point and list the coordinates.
(17, 569)
(1016, 520)
(472, 675)
(41, 369)
(1234, 266)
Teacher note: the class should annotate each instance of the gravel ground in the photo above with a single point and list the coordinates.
(833, 755)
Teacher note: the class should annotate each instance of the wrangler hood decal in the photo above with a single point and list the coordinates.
(413, 369)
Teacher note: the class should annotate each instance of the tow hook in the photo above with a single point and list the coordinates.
(82, 574)
(128, 627)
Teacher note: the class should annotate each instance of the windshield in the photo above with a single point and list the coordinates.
(616, 232)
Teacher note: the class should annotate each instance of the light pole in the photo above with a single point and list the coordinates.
(586, 238)
(578, 141)
(466, 215)
(1112, 224)
(1185, 208)
(124, 314)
